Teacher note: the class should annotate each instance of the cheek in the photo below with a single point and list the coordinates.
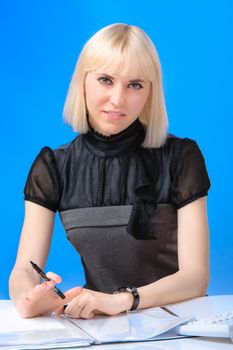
(90, 91)
(145, 98)
(94, 96)
(138, 102)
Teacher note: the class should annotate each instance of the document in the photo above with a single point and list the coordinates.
(134, 326)
(10, 321)
(63, 332)
(45, 332)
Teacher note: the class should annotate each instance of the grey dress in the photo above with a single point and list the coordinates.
(118, 201)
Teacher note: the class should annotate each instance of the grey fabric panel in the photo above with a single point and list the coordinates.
(112, 216)
(96, 216)
(111, 257)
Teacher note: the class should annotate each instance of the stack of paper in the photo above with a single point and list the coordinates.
(39, 332)
(148, 324)
(63, 332)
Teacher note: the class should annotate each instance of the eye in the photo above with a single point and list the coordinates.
(136, 86)
(104, 80)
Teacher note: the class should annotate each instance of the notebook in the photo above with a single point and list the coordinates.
(63, 332)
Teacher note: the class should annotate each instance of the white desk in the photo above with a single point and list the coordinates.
(176, 344)
(223, 303)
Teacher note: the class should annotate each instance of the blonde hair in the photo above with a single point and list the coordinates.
(113, 47)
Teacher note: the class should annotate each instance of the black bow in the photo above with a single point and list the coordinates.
(139, 225)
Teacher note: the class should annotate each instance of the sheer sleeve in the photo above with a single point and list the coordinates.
(190, 177)
(42, 185)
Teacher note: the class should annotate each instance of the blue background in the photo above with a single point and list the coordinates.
(40, 42)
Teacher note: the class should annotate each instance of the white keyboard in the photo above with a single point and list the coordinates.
(219, 325)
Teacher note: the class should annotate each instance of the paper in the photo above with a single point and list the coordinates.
(203, 306)
(63, 332)
(38, 333)
(11, 322)
(133, 326)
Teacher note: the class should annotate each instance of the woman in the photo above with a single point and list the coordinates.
(132, 198)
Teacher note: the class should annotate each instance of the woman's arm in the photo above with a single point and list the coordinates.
(31, 297)
(193, 257)
(190, 281)
(34, 245)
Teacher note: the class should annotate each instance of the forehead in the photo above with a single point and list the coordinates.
(127, 75)
(120, 66)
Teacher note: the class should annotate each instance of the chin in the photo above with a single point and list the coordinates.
(108, 130)
(113, 130)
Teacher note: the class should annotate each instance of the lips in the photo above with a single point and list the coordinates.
(115, 113)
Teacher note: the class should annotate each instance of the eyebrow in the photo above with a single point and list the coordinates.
(130, 81)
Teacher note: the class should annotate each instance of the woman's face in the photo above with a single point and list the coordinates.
(114, 101)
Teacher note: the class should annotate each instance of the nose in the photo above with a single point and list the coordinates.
(117, 95)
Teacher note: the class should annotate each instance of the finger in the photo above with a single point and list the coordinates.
(69, 295)
(77, 304)
(41, 289)
(61, 309)
(99, 313)
(87, 312)
(90, 303)
(73, 310)
(84, 306)
(72, 293)
(53, 276)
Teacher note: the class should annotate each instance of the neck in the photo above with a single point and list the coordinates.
(125, 141)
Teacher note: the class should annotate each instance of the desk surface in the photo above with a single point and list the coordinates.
(176, 344)
(197, 343)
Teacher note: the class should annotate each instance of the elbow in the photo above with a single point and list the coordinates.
(201, 282)
(196, 283)
(10, 286)
(201, 291)
(13, 283)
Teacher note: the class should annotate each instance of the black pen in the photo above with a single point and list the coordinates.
(43, 275)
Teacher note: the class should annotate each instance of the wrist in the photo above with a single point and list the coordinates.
(126, 301)
(132, 297)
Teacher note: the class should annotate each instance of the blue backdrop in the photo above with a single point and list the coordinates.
(39, 46)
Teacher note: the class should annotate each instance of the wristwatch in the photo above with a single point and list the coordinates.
(133, 290)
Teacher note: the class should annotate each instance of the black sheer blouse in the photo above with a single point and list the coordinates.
(107, 178)
(94, 170)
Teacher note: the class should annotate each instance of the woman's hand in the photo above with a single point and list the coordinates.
(42, 299)
(89, 303)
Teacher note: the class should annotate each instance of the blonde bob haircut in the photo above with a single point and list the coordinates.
(116, 48)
